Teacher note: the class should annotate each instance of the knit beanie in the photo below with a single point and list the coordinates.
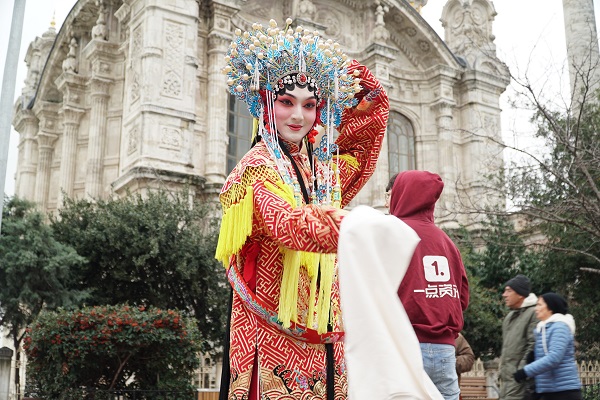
(556, 303)
(520, 284)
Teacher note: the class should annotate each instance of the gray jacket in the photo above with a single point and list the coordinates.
(517, 341)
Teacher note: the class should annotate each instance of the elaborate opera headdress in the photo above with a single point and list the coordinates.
(261, 63)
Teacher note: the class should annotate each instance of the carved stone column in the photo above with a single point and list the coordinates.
(446, 155)
(68, 165)
(101, 55)
(160, 95)
(26, 123)
(97, 134)
(445, 139)
(47, 113)
(219, 39)
(45, 142)
(379, 56)
(72, 87)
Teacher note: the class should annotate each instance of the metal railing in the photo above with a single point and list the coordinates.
(122, 394)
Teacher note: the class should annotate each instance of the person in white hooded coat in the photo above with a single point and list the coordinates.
(555, 370)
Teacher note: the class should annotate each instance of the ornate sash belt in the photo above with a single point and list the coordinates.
(262, 311)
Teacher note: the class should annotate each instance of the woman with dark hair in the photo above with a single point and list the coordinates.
(282, 209)
(554, 367)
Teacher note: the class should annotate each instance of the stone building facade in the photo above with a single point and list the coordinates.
(129, 94)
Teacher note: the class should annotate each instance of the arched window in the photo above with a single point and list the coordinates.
(401, 143)
(239, 130)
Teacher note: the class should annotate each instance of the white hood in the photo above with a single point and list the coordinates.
(541, 326)
(529, 301)
(567, 319)
(383, 356)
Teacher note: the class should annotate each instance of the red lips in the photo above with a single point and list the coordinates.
(295, 127)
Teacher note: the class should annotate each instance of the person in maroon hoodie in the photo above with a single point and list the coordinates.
(435, 290)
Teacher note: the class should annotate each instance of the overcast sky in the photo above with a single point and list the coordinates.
(529, 37)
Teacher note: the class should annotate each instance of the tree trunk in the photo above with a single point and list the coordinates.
(17, 345)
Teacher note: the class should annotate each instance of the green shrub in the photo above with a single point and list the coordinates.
(111, 347)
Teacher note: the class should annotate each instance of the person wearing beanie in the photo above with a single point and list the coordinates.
(554, 367)
(517, 337)
(520, 284)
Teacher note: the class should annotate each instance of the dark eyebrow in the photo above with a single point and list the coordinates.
(291, 95)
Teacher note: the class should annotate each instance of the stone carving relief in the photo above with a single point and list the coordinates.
(469, 28)
(135, 64)
(48, 124)
(71, 116)
(173, 60)
(99, 87)
(70, 63)
(411, 31)
(490, 68)
(72, 94)
(382, 71)
(307, 9)
(134, 91)
(380, 33)
(424, 45)
(218, 43)
(101, 67)
(221, 23)
(123, 14)
(490, 125)
(332, 24)
(99, 30)
(133, 140)
(136, 44)
(171, 138)
(406, 50)
(398, 18)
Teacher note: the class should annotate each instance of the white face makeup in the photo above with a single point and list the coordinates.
(295, 114)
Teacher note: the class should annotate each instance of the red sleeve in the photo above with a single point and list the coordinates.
(361, 133)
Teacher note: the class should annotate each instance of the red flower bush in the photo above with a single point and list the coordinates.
(103, 347)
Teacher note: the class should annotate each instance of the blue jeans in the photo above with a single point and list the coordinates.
(439, 361)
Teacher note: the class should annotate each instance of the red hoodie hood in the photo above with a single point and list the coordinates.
(414, 194)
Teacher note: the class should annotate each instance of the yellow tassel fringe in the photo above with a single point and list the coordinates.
(236, 226)
(288, 299)
(283, 191)
(288, 296)
(324, 305)
(350, 160)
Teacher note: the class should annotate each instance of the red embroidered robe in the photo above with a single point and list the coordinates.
(291, 367)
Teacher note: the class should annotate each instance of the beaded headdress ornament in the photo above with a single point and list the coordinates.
(268, 59)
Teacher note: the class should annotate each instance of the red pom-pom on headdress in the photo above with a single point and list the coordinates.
(311, 136)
